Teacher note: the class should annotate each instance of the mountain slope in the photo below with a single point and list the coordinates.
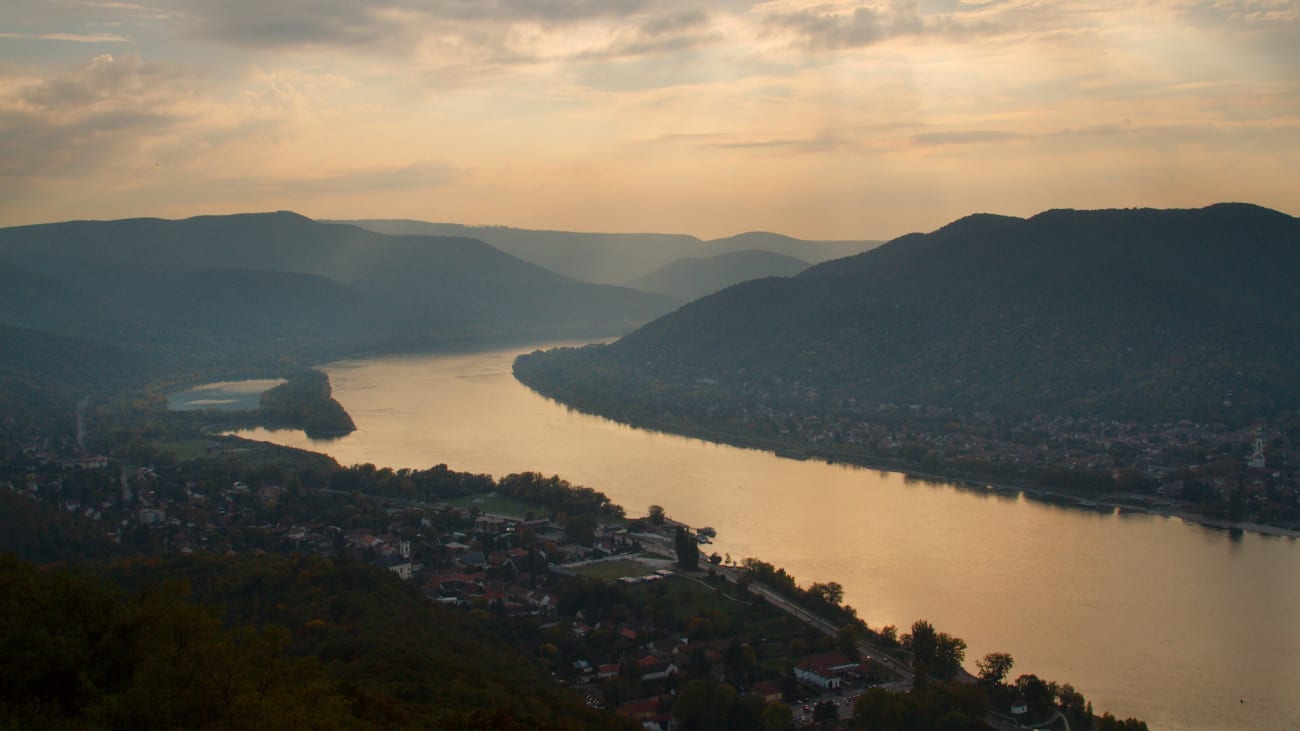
(592, 257)
(261, 279)
(618, 258)
(1135, 314)
(272, 642)
(691, 278)
(807, 250)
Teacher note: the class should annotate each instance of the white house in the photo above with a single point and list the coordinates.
(823, 671)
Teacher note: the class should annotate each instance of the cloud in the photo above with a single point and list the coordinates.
(670, 33)
(388, 23)
(251, 190)
(413, 176)
(69, 37)
(1260, 12)
(964, 137)
(821, 143)
(853, 25)
(74, 121)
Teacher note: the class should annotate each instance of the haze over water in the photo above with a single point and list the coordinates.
(1182, 626)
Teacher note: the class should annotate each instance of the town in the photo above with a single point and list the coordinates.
(629, 613)
(1223, 476)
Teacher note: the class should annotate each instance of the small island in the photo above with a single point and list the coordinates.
(305, 401)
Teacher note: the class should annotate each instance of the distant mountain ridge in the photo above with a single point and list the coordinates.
(691, 278)
(1142, 314)
(258, 280)
(618, 258)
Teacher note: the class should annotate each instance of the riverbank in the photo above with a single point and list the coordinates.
(1090, 501)
(1006, 573)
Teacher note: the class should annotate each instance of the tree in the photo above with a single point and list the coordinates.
(824, 711)
(877, 708)
(831, 592)
(581, 529)
(933, 652)
(657, 514)
(889, 635)
(1071, 701)
(846, 639)
(994, 667)
(704, 705)
(688, 551)
(1107, 722)
(1035, 691)
(777, 717)
(949, 656)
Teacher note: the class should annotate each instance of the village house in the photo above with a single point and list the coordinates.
(767, 690)
(650, 712)
(824, 671)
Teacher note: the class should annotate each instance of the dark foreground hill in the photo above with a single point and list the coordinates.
(1126, 314)
(259, 642)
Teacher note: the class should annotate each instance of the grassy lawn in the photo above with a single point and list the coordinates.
(688, 598)
(186, 449)
(497, 505)
(610, 570)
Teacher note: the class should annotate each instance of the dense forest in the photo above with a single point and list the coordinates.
(1135, 315)
(269, 642)
(305, 401)
(254, 289)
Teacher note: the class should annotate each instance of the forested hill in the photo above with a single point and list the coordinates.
(1131, 314)
(620, 258)
(217, 283)
(268, 642)
(691, 278)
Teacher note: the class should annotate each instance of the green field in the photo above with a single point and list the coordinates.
(497, 505)
(186, 449)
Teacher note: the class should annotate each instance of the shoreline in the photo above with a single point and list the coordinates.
(1053, 495)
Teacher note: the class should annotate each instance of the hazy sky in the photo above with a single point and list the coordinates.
(821, 119)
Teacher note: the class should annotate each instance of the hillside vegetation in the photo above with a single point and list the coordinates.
(258, 642)
(691, 278)
(227, 287)
(619, 258)
(1128, 314)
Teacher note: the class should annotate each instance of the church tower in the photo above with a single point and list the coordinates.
(1257, 457)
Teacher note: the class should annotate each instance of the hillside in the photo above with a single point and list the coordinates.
(691, 278)
(1127, 314)
(43, 376)
(592, 257)
(618, 258)
(807, 250)
(277, 283)
(266, 642)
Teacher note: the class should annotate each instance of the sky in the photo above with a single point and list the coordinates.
(831, 120)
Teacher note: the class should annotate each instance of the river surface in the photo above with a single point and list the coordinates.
(1183, 626)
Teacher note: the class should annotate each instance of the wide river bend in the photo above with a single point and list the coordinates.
(1183, 626)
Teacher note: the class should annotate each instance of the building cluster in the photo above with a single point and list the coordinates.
(1176, 466)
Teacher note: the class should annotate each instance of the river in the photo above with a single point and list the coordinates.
(1183, 626)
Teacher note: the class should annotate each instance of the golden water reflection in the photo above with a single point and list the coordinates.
(1146, 615)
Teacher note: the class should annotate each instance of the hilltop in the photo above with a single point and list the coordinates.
(691, 278)
(226, 287)
(1137, 315)
(620, 258)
